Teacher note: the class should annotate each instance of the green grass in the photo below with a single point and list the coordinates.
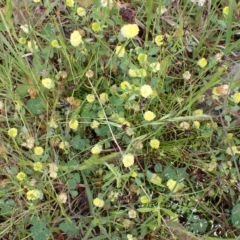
(85, 184)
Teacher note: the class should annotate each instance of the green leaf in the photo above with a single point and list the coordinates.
(144, 210)
(68, 227)
(199, 226)
(36, 105)
(78, 143)
(235, 216)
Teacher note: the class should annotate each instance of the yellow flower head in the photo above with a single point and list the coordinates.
(174, 186)
(81, 12)
(69, 3)
(96, 149)
(104, 97)
(132, 213)
(33, 195)
(128, 160)
(154, 143)
(232, 151)
(32, 46)
(38, 151)
(202, 62)
(155, 67)
(94, 124)
(196, 124)
(37, 166)
(198, 112)
(184, 125)
(142, 57)
(137, 72)
(146, 91)
(22, 40)
(53, 174)
(48, 83)
(144, 199)
(101, 114)
(226, 11)
(120, 51)
(220, 90)
(20, 176)
(62, 197)
(125, 85)
(155, 179)
(96, 27)
(55, 43)
(75, 38)
(130, 30)
(63, 145)
(73, 124)
(236, 97)
(134, 174)
(186, 75)
(98, 202)
(12, 132)
(159, 40)
(149, 115)
(90, 98)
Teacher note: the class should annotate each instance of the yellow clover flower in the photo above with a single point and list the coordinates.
(220, 90)
(142, 57)
(62, 197)
(22, 40)
(73, 124)
(137, 72)
(196, 124)
(202, 62)
(120, 51)
(12, 132)
(144, 199)
(63, 145)
(98, 202)
(69, 3)
(96, 26)
(236, 97)
(159, 40)
(146, 91)
(155, 67)
(37, 166)
(20, 176)
(125, 85)
(48, 83)
(232, 151)
(154, 143)
(128, 160)
(104, 97)
(55, 43)
(226, 11)
(94, 124)
(186, 75)
(38, 151)
(174, 186)
(75, 38)
(132, 213)
(90, 98)
(33, 195)
(149, 115)
(198, 112)
(96, 149)
(81, 11)
(130, 30)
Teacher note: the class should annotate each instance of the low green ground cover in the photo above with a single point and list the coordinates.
(119, 120)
